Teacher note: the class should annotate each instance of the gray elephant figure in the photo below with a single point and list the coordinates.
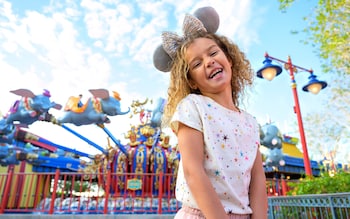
(31, 107)
(157, 112)
(270, 137)
(95, 111)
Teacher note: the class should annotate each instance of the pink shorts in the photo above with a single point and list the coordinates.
(192, 213)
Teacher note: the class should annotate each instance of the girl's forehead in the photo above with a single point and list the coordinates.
(201, 41)
(199, 46)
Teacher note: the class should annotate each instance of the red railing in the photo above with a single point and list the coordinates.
(103, 193)
(80, 193)
(278, 187)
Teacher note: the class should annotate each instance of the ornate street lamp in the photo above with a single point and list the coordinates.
(269, 71)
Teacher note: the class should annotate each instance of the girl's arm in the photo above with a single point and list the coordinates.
(191, 146)
(257, 189)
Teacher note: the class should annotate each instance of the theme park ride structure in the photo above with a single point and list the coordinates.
(135, 167)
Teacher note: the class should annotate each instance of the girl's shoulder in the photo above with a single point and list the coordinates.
(199, 98)
(193, 98)
(193, 103)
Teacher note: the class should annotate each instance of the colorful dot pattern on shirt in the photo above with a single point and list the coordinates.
(231, 142)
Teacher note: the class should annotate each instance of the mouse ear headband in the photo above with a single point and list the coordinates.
(205, 19)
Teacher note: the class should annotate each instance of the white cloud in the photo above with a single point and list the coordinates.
(92, 5)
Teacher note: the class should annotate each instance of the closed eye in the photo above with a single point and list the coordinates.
(213, 53)
(196, 64)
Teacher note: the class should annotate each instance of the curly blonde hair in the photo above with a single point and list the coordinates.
(179, 86)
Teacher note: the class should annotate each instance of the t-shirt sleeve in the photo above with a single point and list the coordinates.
(187, 112)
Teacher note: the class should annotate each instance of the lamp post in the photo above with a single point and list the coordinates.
(269, 71)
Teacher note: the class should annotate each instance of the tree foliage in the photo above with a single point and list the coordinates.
(328, 28)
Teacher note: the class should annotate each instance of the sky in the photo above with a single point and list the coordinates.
(71, 46)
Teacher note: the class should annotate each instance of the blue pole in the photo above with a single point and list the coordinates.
(85, 139)
(66, 148)
(59, 162)
(116, 141)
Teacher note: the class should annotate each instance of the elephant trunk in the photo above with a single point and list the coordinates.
(123, 113)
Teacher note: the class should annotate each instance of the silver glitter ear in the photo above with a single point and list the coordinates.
(172, 41)
(192, 24)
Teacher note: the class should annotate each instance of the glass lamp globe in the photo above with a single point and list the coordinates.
(269, 73)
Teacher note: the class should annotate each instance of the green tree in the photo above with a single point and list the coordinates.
(328, 28)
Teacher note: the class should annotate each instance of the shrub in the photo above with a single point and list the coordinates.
(325, 183)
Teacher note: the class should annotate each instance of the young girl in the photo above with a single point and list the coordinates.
(220, 173)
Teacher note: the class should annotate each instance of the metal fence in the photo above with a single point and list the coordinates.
(323, 206)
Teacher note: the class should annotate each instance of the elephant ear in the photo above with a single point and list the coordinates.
(209, 17)
(23, 93)
(100, 93)
(261, 133)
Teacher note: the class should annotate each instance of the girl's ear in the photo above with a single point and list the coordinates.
(229, 60)
(192, 84)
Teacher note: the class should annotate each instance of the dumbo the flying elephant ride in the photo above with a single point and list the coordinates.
(95, 111)
(31, 107)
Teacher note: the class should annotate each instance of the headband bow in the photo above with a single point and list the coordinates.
(204, 19)
(172, 41)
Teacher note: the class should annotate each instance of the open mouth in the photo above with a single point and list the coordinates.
(218, 71)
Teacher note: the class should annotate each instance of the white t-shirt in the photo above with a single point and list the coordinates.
(231, 141)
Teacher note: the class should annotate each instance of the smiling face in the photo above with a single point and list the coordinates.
(209, 69)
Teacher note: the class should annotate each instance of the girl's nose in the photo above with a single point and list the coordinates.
(210, 62)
